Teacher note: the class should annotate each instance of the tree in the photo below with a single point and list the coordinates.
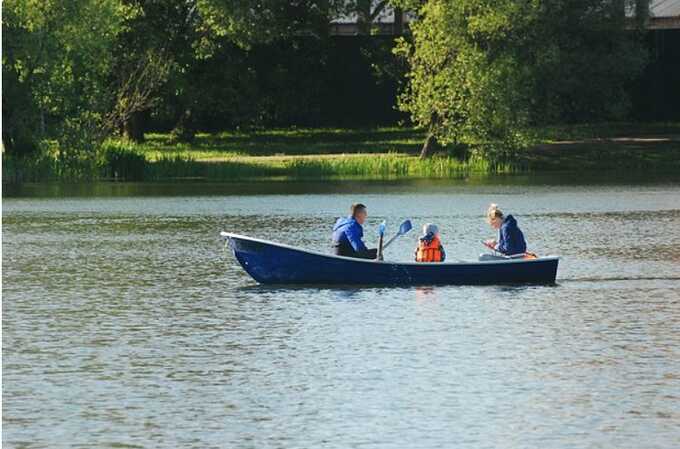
(585, 53)
(56, 62)
(94, 67)
(482, 71)
(229, 28)
(154, 41)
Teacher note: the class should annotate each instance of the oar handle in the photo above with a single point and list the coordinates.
(380, 248)
(390, 241)
(403, 229)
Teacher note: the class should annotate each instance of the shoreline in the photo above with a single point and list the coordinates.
(360, 154)
(305, 186)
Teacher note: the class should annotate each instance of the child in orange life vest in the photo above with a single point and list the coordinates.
(430, 248)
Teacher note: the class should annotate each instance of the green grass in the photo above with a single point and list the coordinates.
(382, 153)
(379, 166)
(392, 153)
(583, 132)
(605, 147)
(326, 153)
(285, 142)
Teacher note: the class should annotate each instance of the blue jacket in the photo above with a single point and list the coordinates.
(347, 235)
(511, 240)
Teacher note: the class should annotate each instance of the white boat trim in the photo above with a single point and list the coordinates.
(228, 235)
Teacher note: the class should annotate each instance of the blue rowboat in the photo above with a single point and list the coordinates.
(274, 263)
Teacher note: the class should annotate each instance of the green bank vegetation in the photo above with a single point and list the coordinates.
(87, 85)
(382, 153)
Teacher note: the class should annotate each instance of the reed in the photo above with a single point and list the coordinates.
(385, 166)
(389, 166)
(180, 166)
(30, 169)
(122, 160)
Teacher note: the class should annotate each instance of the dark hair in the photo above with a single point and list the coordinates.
(356, 208)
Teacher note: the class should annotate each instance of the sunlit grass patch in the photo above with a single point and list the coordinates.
(334, 153)
(288, 141)
(367, 167)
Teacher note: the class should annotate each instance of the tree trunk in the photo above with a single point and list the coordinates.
(428, 147)
(133, 128)
(184, 130)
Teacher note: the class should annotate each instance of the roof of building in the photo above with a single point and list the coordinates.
(663, 14)
(664, 8)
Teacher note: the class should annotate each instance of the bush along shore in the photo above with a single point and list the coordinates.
(385, 153)
(129, 165)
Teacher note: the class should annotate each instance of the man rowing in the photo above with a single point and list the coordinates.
(348, 234)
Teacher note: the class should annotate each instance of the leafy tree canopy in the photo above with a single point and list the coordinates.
(484, 70)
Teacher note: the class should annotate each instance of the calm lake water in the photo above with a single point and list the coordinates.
(125, 324)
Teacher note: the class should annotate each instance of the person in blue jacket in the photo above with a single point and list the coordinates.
(510, 239)
(348, 234)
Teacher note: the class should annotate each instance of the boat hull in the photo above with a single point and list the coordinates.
(273, 263)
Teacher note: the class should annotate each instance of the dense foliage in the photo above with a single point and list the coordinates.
(56, 63)
(477, 73)
(483, 71)
(76, 72)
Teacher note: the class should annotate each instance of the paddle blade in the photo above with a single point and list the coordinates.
(405, 227)
(382, 227)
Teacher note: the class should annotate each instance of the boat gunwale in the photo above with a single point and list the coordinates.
(227, 235)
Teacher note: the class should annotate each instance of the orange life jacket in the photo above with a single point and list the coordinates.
(431, 252)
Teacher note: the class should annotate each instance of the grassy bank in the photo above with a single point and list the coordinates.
(383, 153)
(286, 142)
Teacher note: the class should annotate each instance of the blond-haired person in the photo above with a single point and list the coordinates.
(510, 238)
